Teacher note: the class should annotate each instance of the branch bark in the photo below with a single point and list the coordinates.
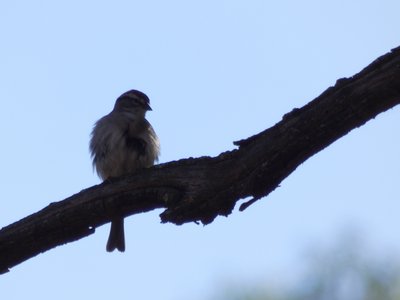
(200, 189)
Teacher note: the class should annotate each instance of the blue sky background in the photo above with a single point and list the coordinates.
(216, 72)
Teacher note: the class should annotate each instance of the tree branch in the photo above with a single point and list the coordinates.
(200, 189)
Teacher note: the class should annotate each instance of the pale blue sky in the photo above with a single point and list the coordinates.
(216, 71)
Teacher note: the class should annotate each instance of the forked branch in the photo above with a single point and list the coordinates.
(200, 189)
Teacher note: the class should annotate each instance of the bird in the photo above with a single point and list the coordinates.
(121, 143)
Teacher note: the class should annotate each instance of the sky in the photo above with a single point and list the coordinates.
(216, 72)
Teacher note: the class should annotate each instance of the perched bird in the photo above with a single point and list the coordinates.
(122, 142)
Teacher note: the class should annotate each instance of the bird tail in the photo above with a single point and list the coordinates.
(116, 239)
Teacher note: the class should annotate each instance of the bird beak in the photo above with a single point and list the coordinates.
(147, 107)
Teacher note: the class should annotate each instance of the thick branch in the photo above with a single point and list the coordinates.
(200, 189)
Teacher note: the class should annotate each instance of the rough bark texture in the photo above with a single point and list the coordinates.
(200, 189)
